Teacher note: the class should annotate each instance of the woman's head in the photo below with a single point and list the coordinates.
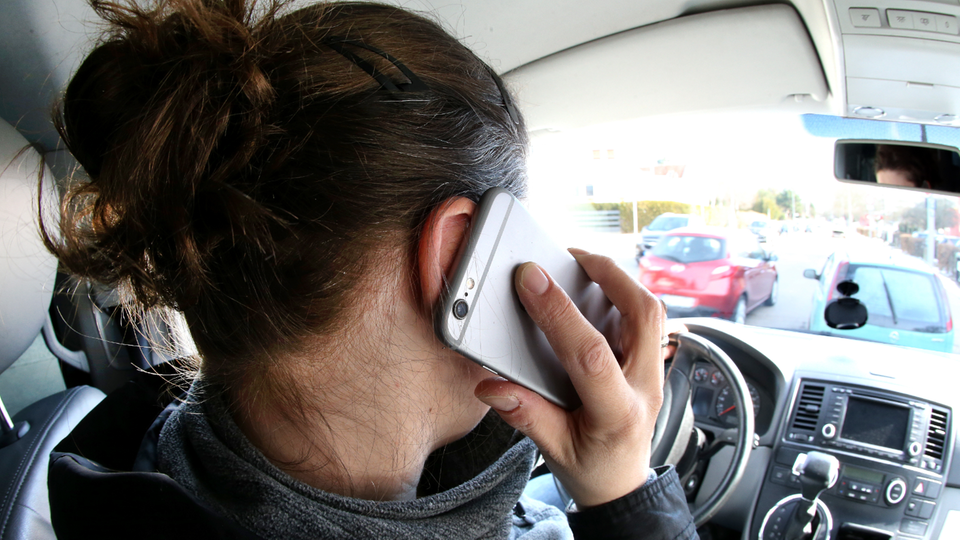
(249, 166)
(906, 166)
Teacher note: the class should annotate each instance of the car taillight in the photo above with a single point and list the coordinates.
(722, 271)
(949, 324)
(839, 276)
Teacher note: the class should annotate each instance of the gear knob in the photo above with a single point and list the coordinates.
(818, 472)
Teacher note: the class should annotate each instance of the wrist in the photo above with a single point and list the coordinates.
(573, 506)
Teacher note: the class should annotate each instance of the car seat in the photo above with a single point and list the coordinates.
(27, 272)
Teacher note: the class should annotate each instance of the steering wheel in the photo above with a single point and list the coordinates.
(675, 421)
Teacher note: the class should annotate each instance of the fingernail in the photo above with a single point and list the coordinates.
(577, 251)
(533, 279)
(501, 403)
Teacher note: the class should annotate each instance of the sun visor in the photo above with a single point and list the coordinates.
(750, 57)
(901, 60)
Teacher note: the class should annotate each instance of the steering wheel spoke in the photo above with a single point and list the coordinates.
(726, 437)
(672, 427)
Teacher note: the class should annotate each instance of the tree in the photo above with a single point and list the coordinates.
(787, 200)
(765, 202)
(915, 219)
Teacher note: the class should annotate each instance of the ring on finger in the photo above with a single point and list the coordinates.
(664, 341)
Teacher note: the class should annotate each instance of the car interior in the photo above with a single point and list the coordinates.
(777, 432)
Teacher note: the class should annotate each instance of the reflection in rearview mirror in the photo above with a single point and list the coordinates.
(918, 166)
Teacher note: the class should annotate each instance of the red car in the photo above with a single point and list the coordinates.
(710, 272)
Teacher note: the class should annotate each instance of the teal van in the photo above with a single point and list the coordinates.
(906, 302)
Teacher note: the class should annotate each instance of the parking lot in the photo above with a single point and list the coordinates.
(796, 252)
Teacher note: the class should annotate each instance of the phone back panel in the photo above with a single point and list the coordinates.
(497, 332)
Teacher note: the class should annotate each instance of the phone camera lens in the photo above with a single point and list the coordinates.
(460, 309)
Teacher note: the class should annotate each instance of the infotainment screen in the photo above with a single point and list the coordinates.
(876, 423)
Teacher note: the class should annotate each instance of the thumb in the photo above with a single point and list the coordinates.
(527, 412)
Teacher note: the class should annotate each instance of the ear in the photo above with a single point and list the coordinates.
(443, 238)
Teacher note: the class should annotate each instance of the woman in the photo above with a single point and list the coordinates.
(906, 166)
(298, 185)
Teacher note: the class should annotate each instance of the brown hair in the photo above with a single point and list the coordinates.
(918, 164)
(240, 168)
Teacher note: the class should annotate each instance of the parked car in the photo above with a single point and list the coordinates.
(763, 229)
(663, 223)
(906, 303)
(710, 272)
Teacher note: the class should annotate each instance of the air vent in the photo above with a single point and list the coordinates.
(808, 407)
(936, 434)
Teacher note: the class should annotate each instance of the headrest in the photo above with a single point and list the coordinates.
(27, 269)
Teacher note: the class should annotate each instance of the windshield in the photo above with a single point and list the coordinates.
(690, 249)
(898, 298)
(769, 176)
(667, 223)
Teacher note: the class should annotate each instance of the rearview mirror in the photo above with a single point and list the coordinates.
(810, 273)
(915, 166)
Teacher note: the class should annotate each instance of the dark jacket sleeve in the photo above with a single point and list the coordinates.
(656, 510)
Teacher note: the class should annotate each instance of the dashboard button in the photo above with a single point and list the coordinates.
(925, 487)
(914, 448)
(947, 24)
(896, 491)
(924, 21)
(865, 18)
(900, 19)
(780, 475)
(913, 508)
(829, 431)
(912, 526)
(926, 509)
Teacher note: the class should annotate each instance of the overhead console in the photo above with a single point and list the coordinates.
(893, 451)
(901, 59)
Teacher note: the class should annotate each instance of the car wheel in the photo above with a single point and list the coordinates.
(774, 293)
(740, 312)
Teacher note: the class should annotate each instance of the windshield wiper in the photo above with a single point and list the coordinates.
(893, 312)
(669, 258)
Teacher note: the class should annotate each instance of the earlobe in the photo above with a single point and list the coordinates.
(441, 242)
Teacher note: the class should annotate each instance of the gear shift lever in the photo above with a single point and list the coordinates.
(818, 473)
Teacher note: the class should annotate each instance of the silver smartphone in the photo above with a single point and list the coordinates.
(480, 315)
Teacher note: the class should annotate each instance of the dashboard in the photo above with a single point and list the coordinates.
(884, 412)
(714, 404)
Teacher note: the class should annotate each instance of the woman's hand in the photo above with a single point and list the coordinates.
(601, 451)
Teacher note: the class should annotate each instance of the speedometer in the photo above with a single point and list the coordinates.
(726, 406)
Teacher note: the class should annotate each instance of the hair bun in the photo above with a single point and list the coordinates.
(165, 116)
